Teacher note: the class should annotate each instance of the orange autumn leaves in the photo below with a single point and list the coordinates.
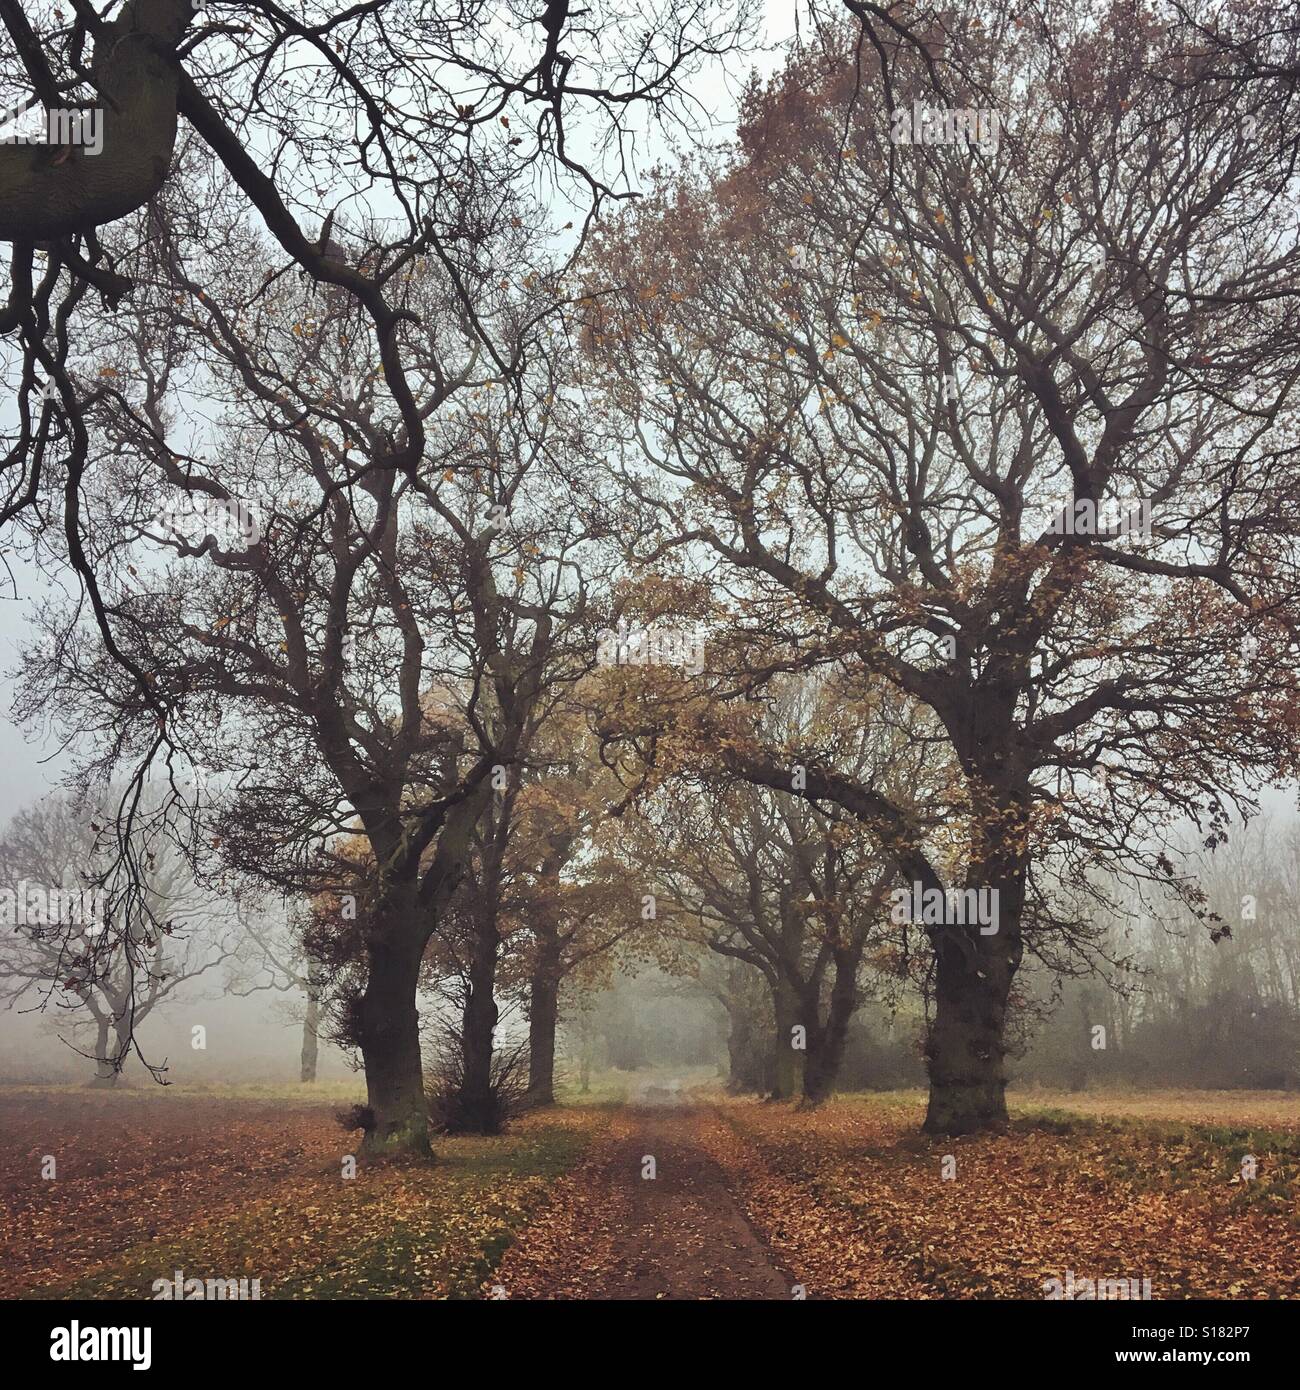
(849, 1200)
(853, 1200)
(151, 1182)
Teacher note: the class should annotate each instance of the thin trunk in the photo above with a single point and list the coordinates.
(543, 1015)
(586, 1046)
(310, 1031)
(785, 1060)
(105, 1072)
(123, 1026)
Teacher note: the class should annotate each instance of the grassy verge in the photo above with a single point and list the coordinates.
(857, 1201)
(393, 1231)
(1166, 1150)
(1159, 1155)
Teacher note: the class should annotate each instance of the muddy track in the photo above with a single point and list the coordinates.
(613, 1232)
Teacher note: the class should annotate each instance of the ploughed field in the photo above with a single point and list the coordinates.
(739, 1198)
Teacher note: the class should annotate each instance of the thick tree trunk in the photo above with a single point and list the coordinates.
(745, 1062)
(740, 1047)
(965, 1049)
(976, 962)
(389, 1037)
(477, 1108)
(543, 1015)
(386, 1022)
(310, 1034)
(47, 193)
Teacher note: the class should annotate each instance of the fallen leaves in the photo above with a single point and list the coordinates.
(852, 1198)
(229, 1188)
(848, 1200)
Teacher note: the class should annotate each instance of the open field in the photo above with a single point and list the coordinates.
(749, 1199)
(855, 1199)
(1262, 1108)
(150, 1181)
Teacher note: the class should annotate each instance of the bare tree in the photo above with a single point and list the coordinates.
(413, 108)
(271, 956)
(346, 145)
(360, 652)
(795, 890)
(75, 964)
(990, 395)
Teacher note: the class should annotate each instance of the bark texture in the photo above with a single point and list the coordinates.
(46, 192)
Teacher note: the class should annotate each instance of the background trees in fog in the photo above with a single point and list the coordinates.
(99, 981)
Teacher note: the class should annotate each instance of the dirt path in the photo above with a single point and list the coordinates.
(610, 1232)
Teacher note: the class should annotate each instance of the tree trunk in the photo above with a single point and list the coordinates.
(106, 1073)
(785, 1060)
(965, 1049)
(745, 1063)
(975, 966)
(543, 1015)
(826, 1042)
(44, 197)
(123, 1031)
(740, 1048)
(389, 1037)
(310, 1032)
(386, 1023)
(477, 1108)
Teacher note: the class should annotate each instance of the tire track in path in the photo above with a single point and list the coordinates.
(610, 1232)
